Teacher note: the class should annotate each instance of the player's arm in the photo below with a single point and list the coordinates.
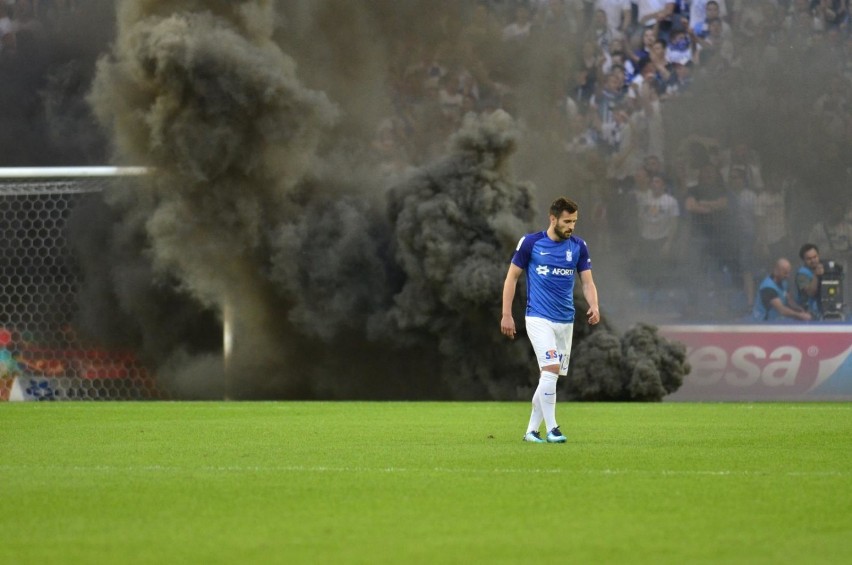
(507, 322)
(590, 292)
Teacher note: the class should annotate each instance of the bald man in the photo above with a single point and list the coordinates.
(773, 302)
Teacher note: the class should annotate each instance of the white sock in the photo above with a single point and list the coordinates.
(535, 417)
(547, 389)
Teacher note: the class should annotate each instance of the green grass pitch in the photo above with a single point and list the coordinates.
(397, 482)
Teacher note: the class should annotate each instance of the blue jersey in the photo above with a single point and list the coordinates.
(551, 267)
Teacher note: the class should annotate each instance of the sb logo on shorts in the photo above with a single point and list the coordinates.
(551, 354)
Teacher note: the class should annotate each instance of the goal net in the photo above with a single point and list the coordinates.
(42, 356)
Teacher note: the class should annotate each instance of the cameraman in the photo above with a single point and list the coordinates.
(806, 291)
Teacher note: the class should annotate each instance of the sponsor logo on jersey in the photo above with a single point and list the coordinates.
(544, 270)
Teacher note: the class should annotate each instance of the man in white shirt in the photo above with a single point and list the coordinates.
(618, 14)
(651, 12)
(520, 26)
(657, 214)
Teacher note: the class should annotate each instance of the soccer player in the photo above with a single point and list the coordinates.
(550, 259)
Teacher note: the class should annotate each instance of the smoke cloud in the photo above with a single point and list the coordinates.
(299, 251)
(268, 207)
(200, 92)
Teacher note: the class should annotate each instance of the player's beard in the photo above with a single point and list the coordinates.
(562, 235)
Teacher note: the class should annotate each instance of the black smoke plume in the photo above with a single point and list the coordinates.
(264, 214)
(642, 365)
(245, 219)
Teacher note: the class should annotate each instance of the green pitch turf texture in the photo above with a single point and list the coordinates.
(360, 482)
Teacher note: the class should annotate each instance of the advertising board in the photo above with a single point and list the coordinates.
(765, 362)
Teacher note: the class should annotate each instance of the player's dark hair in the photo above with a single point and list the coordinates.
(805, 248)
(563, 205)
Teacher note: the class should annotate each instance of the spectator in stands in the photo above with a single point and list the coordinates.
(653, 165)
(648, 38)
(834, 235)
(605, 105)
(654, 13)
(773, 235)
(708, 208)
(742, 157)
(660, 63)
(618, 56)
(639, 126)
(621, 77)
(583, 135)
(581, 91)
(658, 214)
(773, 302)
(641, 184)
(644, 83)
(806, 290)
(800, 22)
(702, 11)
(600, 30)
(744, 203)
(618, 16)
(554, 22)
(832, 13)
(520, 26)
(679, 48)
(612, 132)
(680, 80)
(714, 48)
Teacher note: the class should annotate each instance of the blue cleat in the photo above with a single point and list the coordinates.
(555, 436)
(533, 437)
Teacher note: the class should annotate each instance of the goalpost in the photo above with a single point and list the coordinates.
(42, 357)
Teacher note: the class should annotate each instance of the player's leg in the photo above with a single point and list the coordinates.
(544, 342)
(564, 341)
(564, 334)
(536, 418)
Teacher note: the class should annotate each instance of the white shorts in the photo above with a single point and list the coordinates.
(551, 342)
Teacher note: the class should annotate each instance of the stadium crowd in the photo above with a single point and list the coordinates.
(649, 96)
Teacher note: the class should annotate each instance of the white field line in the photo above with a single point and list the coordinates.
(130, 469)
